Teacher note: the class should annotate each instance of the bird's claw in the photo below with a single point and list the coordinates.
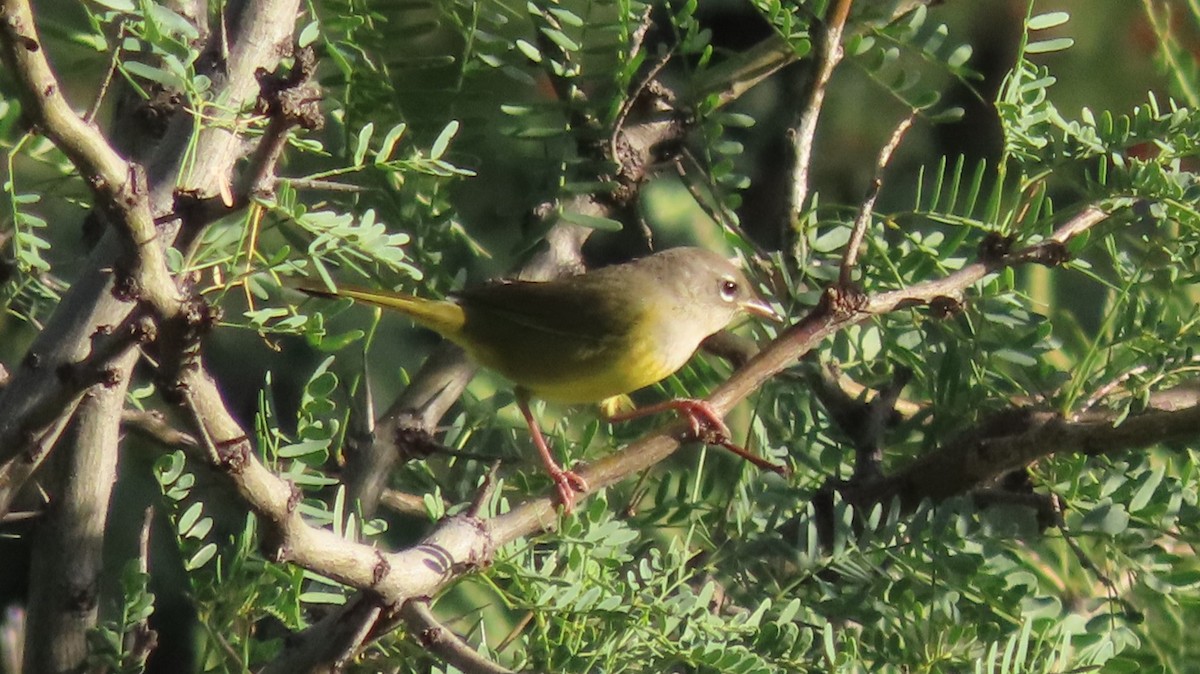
(710, 429)
(568, 483)
(704, 423)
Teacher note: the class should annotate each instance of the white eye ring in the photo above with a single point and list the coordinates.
(729, 289)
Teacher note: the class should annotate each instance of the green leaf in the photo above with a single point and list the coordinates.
(1047, 20)
(332, 343)
(389, 142)
(118, 5)
(309, 34)
(531, 52)
(332, 598)
(1048, 46)
(592, 221)
(189, 516)
(303, 448)
(443, 140)
(363, 143)
(200, 531)
(169, 467)
(202, 557)
(1149, 484)
(561, 39)
(163, 77)
(1109, 518)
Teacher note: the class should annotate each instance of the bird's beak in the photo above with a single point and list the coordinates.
(758, 307)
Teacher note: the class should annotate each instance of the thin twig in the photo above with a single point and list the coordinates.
(486, 490)
(711, 203)
(868, 206)
(403, 503)
(635, 97)
(444, 643)
(802, 134)
(341, 632)
(90, 117)
(731, 79)
(141, 639)
(323, 185)
(153, 426)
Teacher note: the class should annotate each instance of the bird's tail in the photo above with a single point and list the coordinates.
(441, 316)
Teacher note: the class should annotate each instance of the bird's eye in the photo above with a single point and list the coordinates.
(729, 289)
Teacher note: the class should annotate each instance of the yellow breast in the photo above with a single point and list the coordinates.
(637, 367)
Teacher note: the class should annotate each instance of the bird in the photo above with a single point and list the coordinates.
(591, 337)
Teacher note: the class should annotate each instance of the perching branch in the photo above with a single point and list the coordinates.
(120, 189)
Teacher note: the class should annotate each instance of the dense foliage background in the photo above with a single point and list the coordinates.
(989, 407)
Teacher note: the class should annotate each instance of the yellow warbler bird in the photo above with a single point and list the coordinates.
(587, 338)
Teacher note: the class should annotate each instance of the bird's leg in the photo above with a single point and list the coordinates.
(565, 481)
(706, 426)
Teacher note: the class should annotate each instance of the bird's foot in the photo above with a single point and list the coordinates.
(568, 483)
(705, 425)
(708, 427)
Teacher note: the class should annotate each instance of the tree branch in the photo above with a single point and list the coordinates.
(868, 206)
(442, 642)
(133, 247)
(108, 364)
(828, 56)
(341, 632)
(68, 545)
(1026, 435)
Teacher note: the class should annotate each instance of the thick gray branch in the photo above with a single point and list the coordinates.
(68, 545)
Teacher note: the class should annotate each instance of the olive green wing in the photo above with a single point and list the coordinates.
(573, 309)
(564, 343)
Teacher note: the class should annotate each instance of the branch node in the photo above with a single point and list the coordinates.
(382, 568)
(32, 360)
(295, 496)
(1050, 254)
(288, 98)
(273, 546)
(109, 377)
(144, 330)
(125, 287)
(234, 454)
(27, 43)
(844, 300)
(944, 306)
(995, 247)
(82, 598)
(414, 442)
